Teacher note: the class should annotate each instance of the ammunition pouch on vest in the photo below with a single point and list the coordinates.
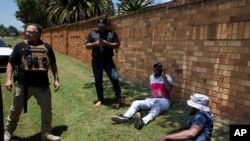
(35, 58)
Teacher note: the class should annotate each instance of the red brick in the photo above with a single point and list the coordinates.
(204, 45)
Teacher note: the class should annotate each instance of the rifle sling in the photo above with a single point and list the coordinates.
(25, 99)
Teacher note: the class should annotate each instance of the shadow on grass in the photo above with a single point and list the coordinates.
(58, 130)
(176, 117)
(129, 90)
(221, 131)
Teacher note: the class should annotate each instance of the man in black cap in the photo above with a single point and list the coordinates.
(102, 42)
(161, 85)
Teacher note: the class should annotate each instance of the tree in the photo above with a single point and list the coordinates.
(30, 12)
(132, 5)
(70, 11)
(10, 31)
(49, 13)
(13, 31)
(3, 30)
(107, 7)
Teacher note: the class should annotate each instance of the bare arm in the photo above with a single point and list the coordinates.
(9, 71)
(92, 45)
(102, 43)
(111, 45)
(182, 135)
(55, 75)
(168, 85)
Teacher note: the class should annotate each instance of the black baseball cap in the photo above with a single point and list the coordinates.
(157, 63)
(102, 21)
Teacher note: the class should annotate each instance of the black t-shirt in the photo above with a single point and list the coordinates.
(105, 52)
(35, 79)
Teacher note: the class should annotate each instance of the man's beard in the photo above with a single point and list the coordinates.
(157, 73)
(193, 111)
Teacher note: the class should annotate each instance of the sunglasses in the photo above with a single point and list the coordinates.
(31, 32)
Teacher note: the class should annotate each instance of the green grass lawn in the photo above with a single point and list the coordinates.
(12, 40)
(75, 118)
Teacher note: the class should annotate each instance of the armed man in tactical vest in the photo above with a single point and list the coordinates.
(29, 64)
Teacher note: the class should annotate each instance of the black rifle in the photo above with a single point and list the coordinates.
(25, 99)
(1, 116)
(25, 96)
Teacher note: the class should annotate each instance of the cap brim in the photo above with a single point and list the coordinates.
(157, 65)
(101, 24)
(197, 106)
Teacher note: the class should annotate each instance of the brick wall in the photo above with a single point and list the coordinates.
(204, 44)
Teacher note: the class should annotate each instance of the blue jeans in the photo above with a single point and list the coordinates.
(98, 65)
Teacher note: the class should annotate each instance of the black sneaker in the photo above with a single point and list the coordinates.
(138, 121)
(119, 119)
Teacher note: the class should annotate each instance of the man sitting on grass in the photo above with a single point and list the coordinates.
(161, 85)
(200, 126)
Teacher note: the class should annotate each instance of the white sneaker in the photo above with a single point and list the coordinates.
(7, 136)
(138, 121)
(50, 137)
(119, 119)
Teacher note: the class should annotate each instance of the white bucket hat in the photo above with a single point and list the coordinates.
(199, 101)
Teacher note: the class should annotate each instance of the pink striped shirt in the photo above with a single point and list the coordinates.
(158, 89)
